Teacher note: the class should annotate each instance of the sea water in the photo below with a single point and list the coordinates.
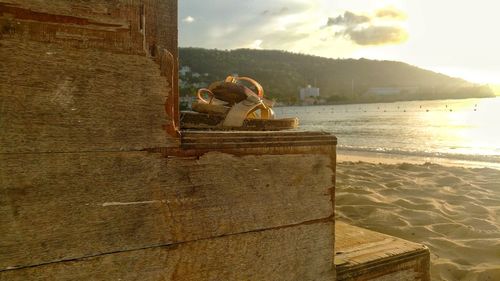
(462, 130)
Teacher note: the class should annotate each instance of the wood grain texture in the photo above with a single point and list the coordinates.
(70, 205)
(128, 26)
(62, 80)
(55, 99)
(197, 143)
(301, 253)
(363, 255)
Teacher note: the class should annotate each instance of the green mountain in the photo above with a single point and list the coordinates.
(282, 74)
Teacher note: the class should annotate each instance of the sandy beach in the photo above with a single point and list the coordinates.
(455, 211)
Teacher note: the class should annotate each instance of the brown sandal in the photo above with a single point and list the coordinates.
(233, 106)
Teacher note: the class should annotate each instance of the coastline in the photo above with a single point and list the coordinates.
(386, 158)
(369, 102)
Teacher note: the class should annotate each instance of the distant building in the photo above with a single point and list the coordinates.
(391, 91)
(309, 93)
(184, 70)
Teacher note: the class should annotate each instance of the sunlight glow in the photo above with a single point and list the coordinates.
(467, 125)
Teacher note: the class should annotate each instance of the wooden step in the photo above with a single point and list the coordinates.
(196, 143)
(363, 254)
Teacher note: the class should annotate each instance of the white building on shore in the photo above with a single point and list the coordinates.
(309, 93)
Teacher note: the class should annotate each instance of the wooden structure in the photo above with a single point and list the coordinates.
(98, 183)
(362, 254)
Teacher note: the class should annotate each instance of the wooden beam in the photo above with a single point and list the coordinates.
(300, 253)
(62, 206)
(56, 99)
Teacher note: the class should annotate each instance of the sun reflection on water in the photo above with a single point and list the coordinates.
(460, 128)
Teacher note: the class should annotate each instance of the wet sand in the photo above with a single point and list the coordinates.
(455, 211)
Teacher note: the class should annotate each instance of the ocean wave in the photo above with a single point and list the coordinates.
(423, 154)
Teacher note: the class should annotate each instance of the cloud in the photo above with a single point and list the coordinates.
(257, 44)
(377, 35)
(275, 12)
(380, 29)
(348, 19)
(294, 25)
(188, 19)
(391, 13)
(280, 24)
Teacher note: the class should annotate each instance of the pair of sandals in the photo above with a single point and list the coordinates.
(230, 105)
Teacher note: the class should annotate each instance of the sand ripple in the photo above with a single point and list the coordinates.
(454, 211)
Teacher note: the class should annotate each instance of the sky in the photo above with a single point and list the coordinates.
(459, 38)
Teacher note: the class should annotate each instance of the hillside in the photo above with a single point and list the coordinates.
(340, 80)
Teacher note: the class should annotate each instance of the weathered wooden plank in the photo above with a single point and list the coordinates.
(75, 68)
(363, 255)
(254, 138)
(93, 9)
(301, 253)
(161, 26)
(127, 26)
(57, 99)
(236, 134)
(59, 206)
(253, 143)
(256, 150)
(84, 25)
(264, 143)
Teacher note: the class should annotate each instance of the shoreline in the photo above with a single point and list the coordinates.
(384, 102)
(393, 159)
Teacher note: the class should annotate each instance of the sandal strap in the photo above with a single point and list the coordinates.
(240, 111)
(234, 79)
(231, 93)
(200, 92)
